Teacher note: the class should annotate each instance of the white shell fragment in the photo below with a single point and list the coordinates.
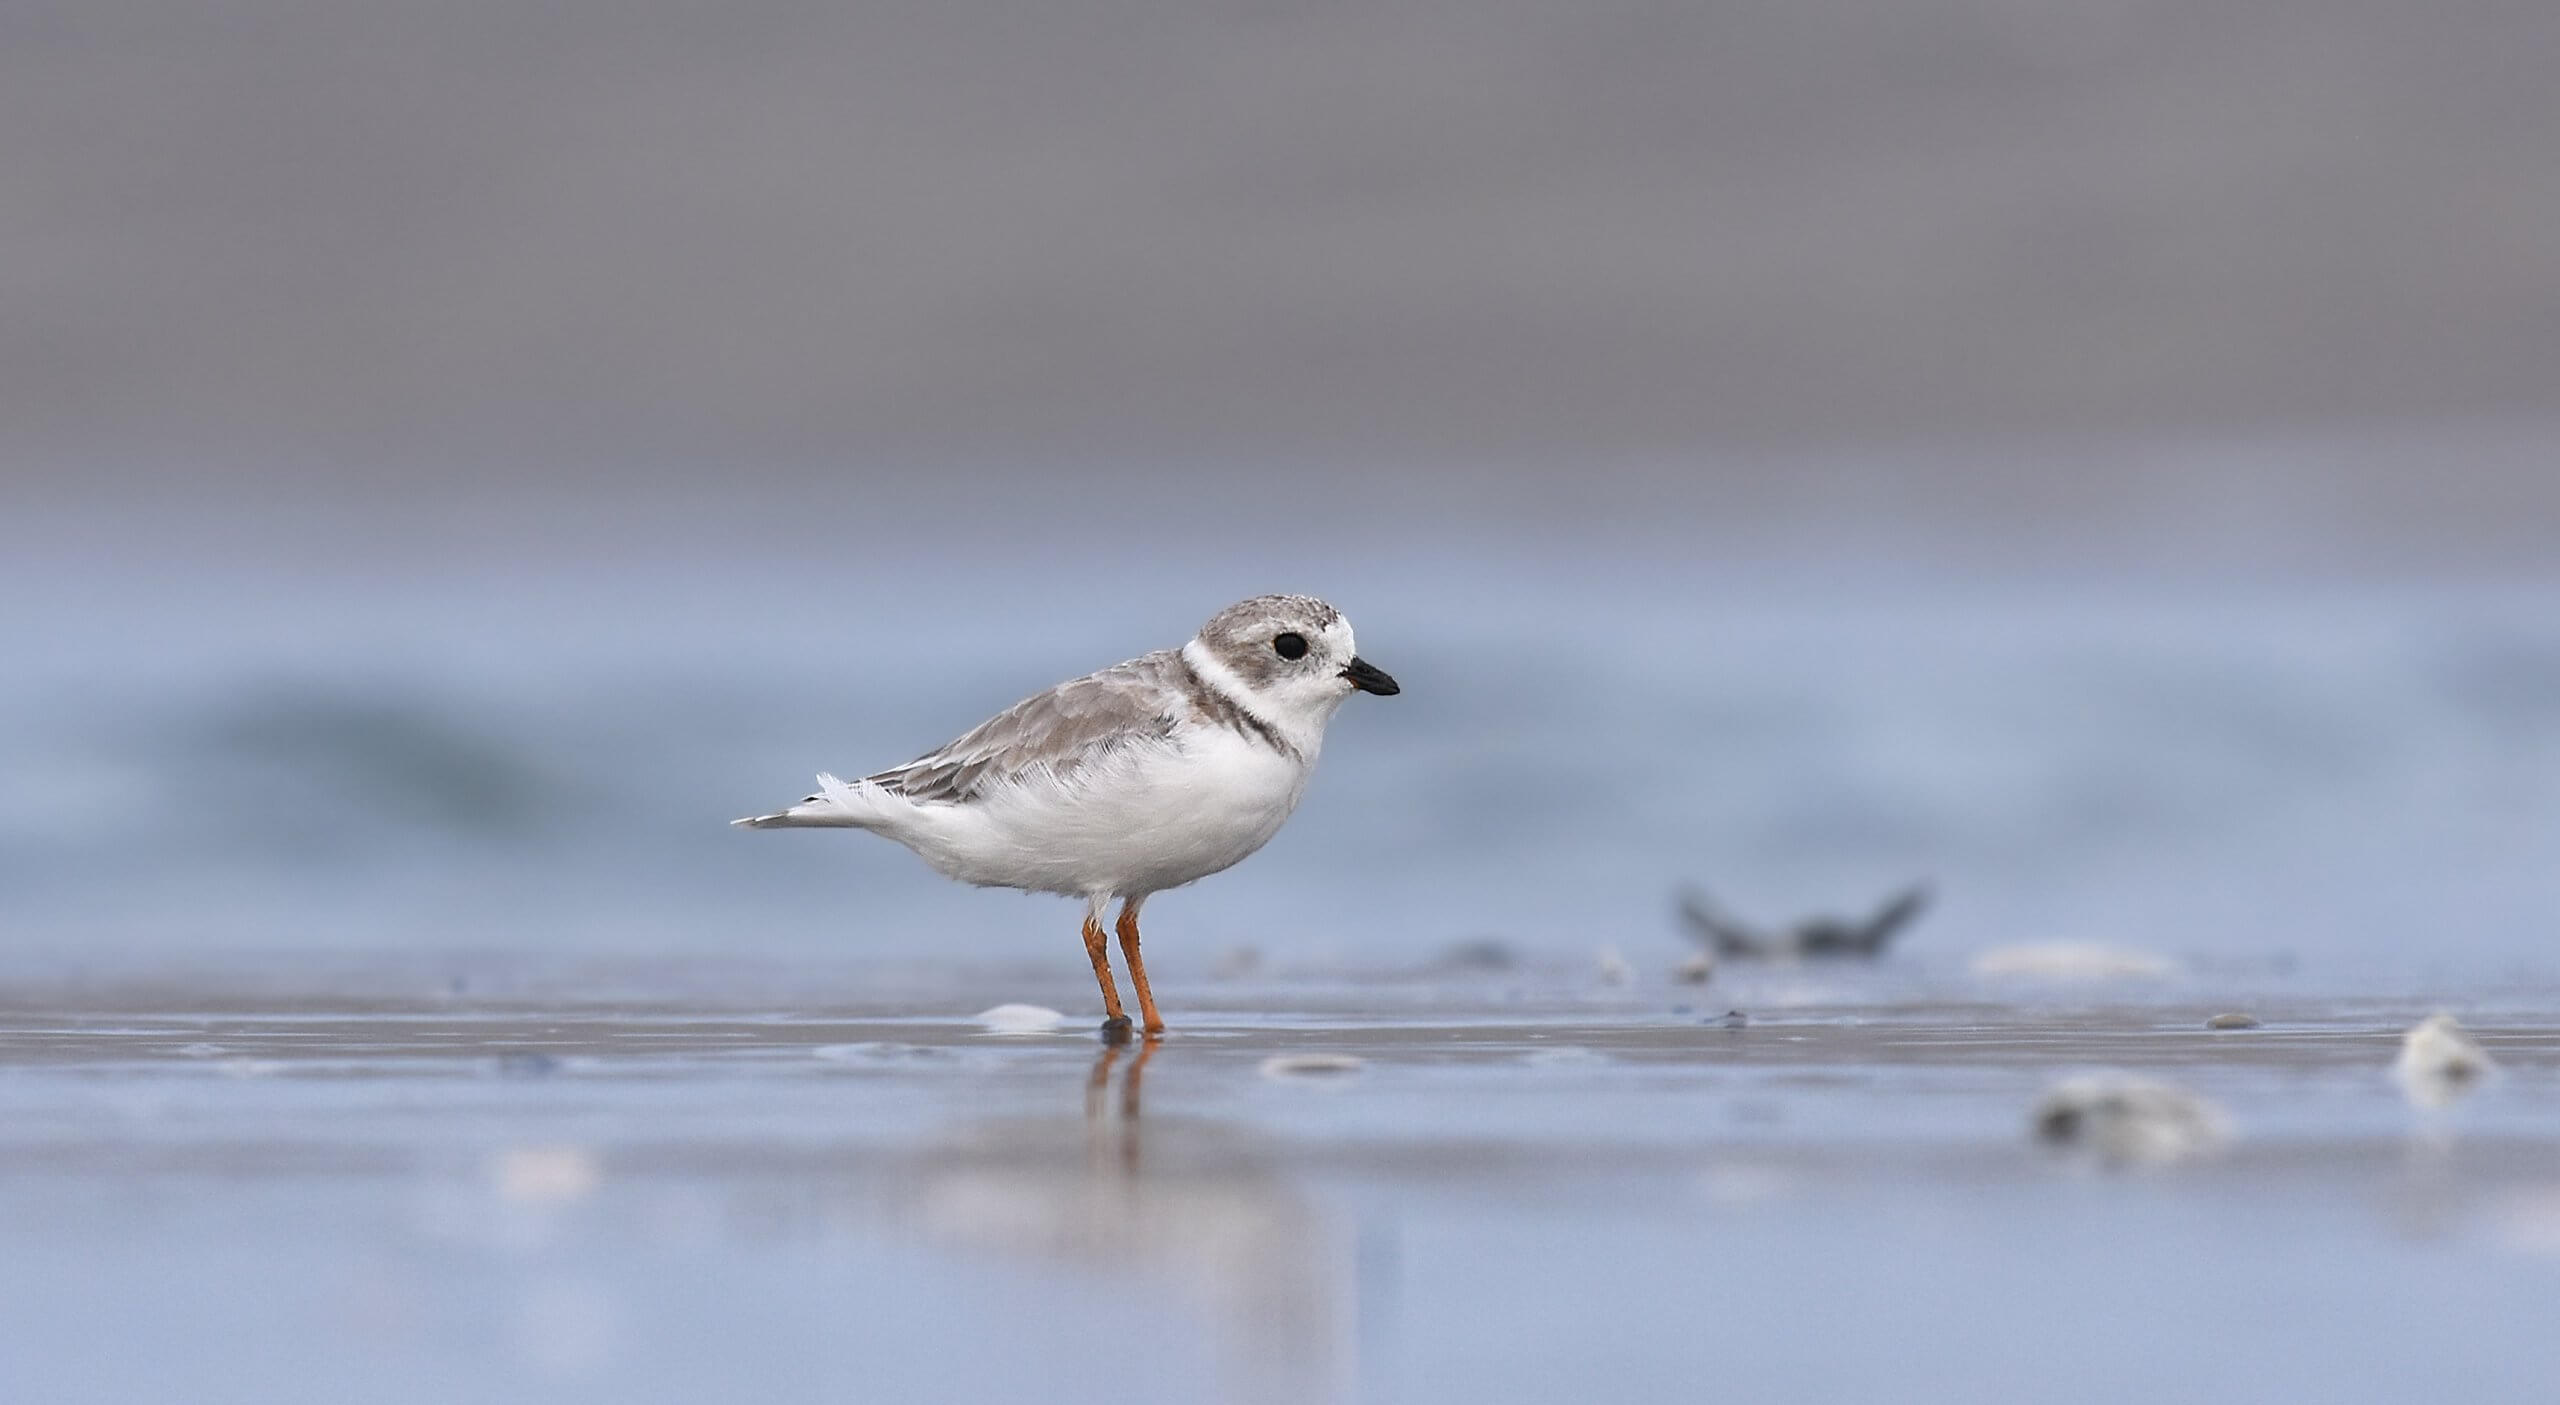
(2072, 961)
(1020, 1019)
(2117, 1119)
(2440, 1064)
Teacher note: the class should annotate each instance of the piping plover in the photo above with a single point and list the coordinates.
(1120, 784)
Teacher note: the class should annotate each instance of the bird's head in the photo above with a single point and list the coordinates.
(1289, 656)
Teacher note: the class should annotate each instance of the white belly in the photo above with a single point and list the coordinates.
(1147, 821)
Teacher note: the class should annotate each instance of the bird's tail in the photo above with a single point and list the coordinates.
(837, 805)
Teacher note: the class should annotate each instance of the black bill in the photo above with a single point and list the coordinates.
(1369, 678)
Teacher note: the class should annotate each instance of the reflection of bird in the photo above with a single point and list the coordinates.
(2121, 1120)
(1145, 776)
(1209, 1211)
(1813, 936)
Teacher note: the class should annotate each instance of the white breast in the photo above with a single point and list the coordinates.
(1148, 819)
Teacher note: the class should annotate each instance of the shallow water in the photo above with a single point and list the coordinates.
(387, 1013)
(688, 1181)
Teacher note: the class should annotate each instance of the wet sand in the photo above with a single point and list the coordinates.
(703, 1182)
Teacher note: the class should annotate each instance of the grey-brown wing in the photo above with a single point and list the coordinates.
(1717, 932)
(1061, 732)
(1892, 918)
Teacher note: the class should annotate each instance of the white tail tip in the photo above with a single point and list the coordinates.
(837, 805)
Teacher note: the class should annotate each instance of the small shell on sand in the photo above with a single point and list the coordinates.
(2121, 1120)
(2071, 961)
(1020, 1019)
(1311, 1065)
(2234, 1020)
(2440, 1063)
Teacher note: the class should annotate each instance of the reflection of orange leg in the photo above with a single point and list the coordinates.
(1099, 1083)
(1137, 968)
(1129, 1141)
(1129, 1083)
(1097, 946)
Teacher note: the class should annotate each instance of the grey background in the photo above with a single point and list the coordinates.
(1742, 259)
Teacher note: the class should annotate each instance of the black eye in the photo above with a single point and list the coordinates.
(1290, 646)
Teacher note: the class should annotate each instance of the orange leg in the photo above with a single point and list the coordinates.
(1137, 968)
(1097, 946)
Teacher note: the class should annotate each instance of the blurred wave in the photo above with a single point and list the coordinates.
(305, 758)
(2309, 769)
